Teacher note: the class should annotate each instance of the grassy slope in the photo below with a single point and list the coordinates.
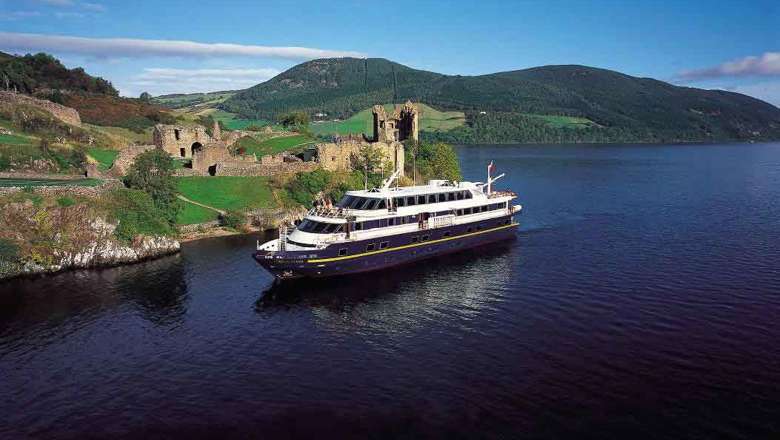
(190, 214)
(227, 192)
(430, 119)
(104, 158)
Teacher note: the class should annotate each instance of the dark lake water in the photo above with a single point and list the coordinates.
(640, 299)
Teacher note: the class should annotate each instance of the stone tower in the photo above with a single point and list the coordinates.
(401, 125)
(216, 132)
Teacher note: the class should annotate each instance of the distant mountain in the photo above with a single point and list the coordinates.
(505, 107)
(41, 72)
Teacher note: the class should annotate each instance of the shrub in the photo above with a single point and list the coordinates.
(65, 201)
(234, 219)
(9, 251)
(152, 172)
(137, 215)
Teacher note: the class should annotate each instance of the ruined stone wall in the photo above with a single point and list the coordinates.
(339, 156)
(72, 190)
(258, 169)
(64, 114)
(206, 159)
(180, 140)
(126, 158)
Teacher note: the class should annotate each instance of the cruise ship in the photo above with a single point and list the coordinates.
(383, 227)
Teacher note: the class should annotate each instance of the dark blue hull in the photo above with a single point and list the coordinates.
(384, 252)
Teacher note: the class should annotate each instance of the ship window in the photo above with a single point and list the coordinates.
(370, 247)
(391, 222)
(383, 223)
(450, 196)
(425, 237)
(410, 201)
(467, 211)
(460, 195)
(460, 212)
(383, 245)
(371, 204)
(468, 194)
(343, 251)
(447, 234)
(431, 198)
(400, 201)
(345, 202)
(420, 200)
(442, 197)
(359, 226)
(308, 245)
(469, 229)
(381, 204)
(415, 238)
(484, 208)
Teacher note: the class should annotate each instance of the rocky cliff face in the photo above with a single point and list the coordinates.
(61, 238)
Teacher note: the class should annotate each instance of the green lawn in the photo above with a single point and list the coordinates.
(273, 145)
(190, 214)
(563, 121)
(232, 122)
(13, 139)
(361, 122)
(227, 192)
(105, 158)
(49, 182)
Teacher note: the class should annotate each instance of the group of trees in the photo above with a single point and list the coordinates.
(31, 73)
(431, 160)
(152, 204)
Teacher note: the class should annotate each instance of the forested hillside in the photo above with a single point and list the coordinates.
(501, 107)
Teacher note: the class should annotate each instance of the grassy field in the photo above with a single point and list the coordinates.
(13, 139)
(49, 182)
(361, 122)
(120, 136)
(233, 123)
(273, 145)
(563, 121)
(227, 192)
(104, 158)
(190, 214)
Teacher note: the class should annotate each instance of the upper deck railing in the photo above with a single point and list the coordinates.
(495, 194)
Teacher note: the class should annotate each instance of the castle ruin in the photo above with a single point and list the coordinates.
(401, 125)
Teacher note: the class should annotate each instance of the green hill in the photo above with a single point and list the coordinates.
(42, 72)
(520, 105)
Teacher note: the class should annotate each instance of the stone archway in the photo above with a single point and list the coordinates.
(197, 146)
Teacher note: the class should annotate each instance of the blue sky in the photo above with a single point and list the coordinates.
(186, 46)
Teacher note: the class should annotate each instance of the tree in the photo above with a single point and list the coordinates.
(372, 163)
(152, 173)
(438, 161)
(295, 120)
(145, 97)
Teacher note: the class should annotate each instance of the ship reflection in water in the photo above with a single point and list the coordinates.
(400, 298)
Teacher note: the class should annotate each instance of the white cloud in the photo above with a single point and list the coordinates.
(767, 64)
(136, 48)
(57, 2)
(160, 80)
(18, 15)
(69, 14)
(94, 7)
(768, 91)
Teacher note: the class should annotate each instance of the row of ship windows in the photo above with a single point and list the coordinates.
(316, 227)
(367, 203)
(421, 238)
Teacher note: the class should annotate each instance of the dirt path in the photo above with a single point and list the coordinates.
(181, 197)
